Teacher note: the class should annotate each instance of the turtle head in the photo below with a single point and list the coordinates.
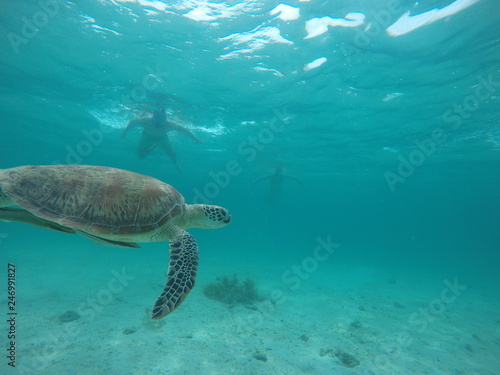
(209, 217)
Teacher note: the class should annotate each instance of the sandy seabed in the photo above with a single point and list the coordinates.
(340, 320)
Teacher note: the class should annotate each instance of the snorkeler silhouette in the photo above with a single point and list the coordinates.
(275, 182)
(154, 133)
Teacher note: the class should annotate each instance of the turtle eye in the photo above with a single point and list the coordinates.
(224, 216)
(218, 214)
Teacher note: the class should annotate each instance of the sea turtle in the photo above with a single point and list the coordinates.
(113, 207)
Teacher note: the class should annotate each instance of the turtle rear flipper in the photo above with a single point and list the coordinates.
(104, 241)
(5, 200)
(23, 216)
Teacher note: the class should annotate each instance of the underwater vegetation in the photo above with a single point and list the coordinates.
(230, 291)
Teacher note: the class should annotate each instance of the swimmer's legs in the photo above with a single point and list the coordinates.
(146, 145)
(165, 144)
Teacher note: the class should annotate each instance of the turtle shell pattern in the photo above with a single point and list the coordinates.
(99, 200)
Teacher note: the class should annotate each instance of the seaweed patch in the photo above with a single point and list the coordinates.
(230, 291)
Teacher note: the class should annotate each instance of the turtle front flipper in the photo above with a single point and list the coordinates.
(181, 275)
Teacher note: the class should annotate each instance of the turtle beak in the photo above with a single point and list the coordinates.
(227, 220)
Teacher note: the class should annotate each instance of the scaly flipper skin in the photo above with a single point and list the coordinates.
(181, 275)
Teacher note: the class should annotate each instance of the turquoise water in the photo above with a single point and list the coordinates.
(395, 139)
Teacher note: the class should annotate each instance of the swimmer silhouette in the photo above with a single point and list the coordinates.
(276, 180)
(154, 133)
